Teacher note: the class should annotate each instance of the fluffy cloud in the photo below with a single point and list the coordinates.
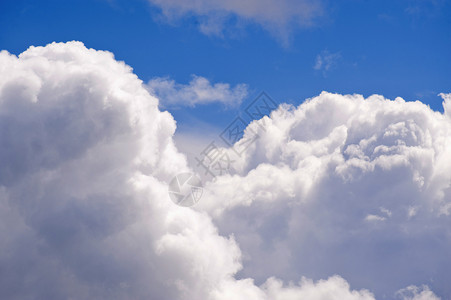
(343, 185)
(334, 288)
(198, 91)
(84, 207)
(275, 16)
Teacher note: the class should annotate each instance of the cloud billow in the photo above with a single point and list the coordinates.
(85, 212)
(343, 185)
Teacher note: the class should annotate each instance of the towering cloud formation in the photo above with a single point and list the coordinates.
(84, 210)
(344, 185)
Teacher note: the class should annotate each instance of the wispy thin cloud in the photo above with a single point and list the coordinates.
(326, 61)
(198, 91)
(277, 17)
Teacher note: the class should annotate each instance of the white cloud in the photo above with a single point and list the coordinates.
(302, 194)
(84, 210)
(214, 16)
(374, 218)
(198, 91)
(326, 61)
(446, 103)
(335, 288)
(84, 207)
(415, 293)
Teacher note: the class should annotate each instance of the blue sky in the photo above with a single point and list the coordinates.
(394, 48)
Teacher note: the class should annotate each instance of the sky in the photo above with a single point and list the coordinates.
(393, 48)
(331, 128)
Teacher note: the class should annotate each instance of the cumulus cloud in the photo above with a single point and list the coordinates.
(84, 208)
(198, 91)
(214, 16)
(343, 185)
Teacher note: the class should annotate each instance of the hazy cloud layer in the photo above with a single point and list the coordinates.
(214, 16)
(84, 208)
(198, 91)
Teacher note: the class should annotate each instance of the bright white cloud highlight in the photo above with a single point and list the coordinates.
(198, 91)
